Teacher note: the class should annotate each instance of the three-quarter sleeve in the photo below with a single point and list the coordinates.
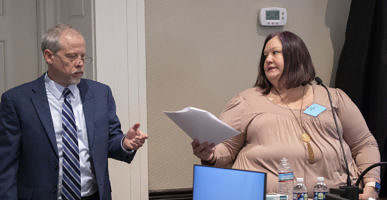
(356, 134)
(237, 116)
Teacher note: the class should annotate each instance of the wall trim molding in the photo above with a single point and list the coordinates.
(121, 63)
(1, 7)
(46, 17)
(3, 77)
(77, 10)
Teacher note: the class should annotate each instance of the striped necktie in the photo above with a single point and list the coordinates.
(71, 181)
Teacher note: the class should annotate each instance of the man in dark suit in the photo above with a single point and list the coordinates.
(58, 131)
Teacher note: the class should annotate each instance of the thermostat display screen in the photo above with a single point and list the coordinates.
(272, 15)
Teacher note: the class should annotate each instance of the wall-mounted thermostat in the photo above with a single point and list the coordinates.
(273, 16)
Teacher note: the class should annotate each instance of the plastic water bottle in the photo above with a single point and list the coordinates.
(285, 178)
(299, 190)
(320, 189)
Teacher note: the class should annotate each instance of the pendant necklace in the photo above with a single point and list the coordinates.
(305, 137)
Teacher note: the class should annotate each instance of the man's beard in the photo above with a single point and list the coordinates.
(75, 81)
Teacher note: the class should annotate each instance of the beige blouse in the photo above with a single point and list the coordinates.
(270, 132)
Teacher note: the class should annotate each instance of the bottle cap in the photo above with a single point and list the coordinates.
(320, 179)
(300, 179)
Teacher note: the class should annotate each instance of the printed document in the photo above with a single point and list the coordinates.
(202, 125)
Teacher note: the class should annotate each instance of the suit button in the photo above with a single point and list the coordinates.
(54, 190)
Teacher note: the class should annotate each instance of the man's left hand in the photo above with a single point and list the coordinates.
(134, 138)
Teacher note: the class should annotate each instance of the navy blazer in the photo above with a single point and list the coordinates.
(28, 149)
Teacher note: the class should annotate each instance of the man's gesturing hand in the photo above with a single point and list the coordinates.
(134, 138)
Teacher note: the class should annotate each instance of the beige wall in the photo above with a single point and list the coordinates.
(202, 52)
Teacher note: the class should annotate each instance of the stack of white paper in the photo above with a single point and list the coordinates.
(202, 125)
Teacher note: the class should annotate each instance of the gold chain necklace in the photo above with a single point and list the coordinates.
(305, 137)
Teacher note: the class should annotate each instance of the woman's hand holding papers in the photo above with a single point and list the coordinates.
(204, 151)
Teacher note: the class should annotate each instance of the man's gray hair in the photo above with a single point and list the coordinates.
(50, 39)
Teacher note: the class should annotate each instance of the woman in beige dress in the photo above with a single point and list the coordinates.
(276, 119)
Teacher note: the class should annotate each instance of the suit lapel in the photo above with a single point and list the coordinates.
(40, 102)
(88, 104)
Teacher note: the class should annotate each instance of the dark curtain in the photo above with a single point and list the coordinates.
(362, 70)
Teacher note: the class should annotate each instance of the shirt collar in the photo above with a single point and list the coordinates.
(56, 89)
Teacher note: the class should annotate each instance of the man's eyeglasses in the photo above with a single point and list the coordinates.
(72, 57)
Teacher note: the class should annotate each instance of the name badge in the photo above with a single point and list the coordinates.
(314, 110)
